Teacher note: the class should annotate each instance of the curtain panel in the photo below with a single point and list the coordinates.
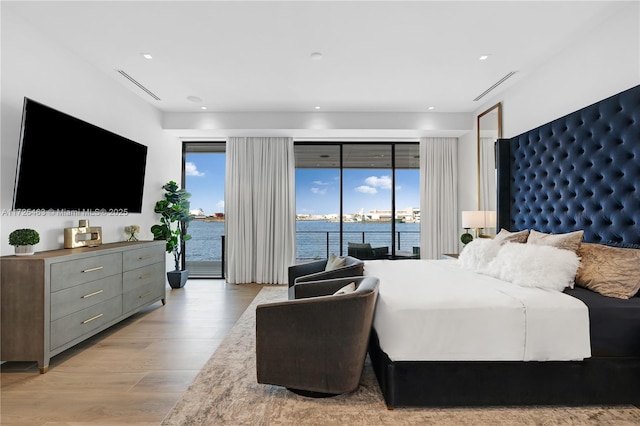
(260, 225)
(439, 200)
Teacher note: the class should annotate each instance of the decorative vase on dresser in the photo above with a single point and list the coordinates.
(55, 299)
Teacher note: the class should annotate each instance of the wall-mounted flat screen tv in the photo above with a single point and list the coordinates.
(65, 163)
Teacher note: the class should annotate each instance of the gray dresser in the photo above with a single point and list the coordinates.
(55, 299)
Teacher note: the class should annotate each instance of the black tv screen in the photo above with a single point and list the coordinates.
(65, 163)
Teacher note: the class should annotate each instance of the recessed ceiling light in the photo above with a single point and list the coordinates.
(203, 107)
(317, 107)
(316, 56)
(194, 99)
(147, 55)
(483, 57)
(431, 107)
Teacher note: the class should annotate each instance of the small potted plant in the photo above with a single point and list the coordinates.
(23, 241)
(174, 212)
(131, 232)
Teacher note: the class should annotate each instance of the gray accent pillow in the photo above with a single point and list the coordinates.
(569, 241)
(505, 236)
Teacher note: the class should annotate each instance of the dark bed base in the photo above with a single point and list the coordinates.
(599, 381)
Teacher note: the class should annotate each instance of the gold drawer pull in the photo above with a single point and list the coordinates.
(92, 318)
(145, 257)
(142, 296)
(97, 268)
(144, 276)
(92, 294)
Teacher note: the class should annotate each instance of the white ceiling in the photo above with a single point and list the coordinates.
(378, 56)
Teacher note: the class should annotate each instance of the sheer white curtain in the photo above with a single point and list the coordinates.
(260, 227)
(439, 200)
(488, 178)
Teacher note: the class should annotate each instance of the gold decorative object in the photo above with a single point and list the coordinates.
(82, 236)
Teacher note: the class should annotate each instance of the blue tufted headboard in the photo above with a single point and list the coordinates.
(581, 171)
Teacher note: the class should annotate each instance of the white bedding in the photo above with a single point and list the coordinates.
(430, 310)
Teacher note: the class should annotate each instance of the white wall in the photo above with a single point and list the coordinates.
(35, 67)
(602, 62)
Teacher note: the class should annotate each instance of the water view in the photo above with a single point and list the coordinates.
(314, 238)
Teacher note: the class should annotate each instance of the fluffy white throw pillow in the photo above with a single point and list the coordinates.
(478, 253)
(531, 265)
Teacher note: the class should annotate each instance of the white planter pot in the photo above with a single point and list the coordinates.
(24, 250)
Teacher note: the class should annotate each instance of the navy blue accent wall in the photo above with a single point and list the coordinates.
(581, 171)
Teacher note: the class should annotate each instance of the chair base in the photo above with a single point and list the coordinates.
(312, 394)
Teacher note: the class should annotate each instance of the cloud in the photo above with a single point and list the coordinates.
(383, 182)
(318, 191)
(319, 182)
(220, 205)
(367, 189)
(190, 169)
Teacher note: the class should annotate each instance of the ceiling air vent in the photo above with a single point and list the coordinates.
(134, 81)
(496, 84)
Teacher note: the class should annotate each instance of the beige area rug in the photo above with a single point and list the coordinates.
(225, 392)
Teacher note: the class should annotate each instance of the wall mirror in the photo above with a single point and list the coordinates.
(489, 130)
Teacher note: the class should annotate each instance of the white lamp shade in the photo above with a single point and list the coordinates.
(473, 219)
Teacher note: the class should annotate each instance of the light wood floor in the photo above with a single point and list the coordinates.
(132, 373)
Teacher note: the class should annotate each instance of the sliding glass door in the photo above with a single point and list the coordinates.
(358, 193)
(204, 177)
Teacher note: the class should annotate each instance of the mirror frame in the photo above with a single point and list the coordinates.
(497, 107)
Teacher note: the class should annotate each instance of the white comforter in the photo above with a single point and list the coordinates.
(430, 310)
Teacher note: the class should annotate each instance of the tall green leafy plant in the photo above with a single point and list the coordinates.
(174, 212)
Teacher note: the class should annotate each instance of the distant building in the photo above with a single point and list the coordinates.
(197, 214)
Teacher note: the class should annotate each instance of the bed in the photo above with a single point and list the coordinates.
(578, 173)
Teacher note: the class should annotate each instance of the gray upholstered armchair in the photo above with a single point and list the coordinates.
(315, 271)
(316, 345)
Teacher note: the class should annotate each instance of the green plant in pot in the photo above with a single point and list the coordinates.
(23, 241)
(174, 212)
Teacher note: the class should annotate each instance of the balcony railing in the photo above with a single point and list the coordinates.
(320, 244)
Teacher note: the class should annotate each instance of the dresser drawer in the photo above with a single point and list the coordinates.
(74, 272)
(82, 322)
(141, 296)
(140, 277)
(133, 259)
(70, 300)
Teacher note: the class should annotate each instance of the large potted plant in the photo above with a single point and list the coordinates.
(174, 212)
(23, 241)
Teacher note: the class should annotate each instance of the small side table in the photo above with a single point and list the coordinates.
(449, 255)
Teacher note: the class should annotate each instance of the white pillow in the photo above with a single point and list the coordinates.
(334, 262)
(478, 253)
(532, 265)
(349, 288)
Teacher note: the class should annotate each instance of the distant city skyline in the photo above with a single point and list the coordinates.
(317, 190)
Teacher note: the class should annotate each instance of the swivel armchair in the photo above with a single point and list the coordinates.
(316, 271)
(316, 344)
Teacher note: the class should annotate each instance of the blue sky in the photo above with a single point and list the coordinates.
(205, 181)
(317, 190)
